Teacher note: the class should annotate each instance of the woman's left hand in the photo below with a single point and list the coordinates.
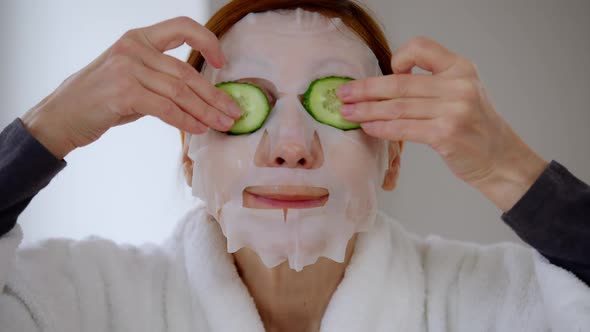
(449, 111)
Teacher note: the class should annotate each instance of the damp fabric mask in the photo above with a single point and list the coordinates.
(290, 49)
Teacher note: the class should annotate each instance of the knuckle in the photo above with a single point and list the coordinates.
(210, 37)
(201, 128)
(123, 46)
(218, 94)
(400, 109)
(463, 108)
(468, 66)
(404, 133)
(120, 64)
(210, 114)
(468, 89)
(185, 20)
(400, 86)
(361, 88)
(207, 36)
(186, 72)
(377, 129)
(419, 42)
(223, 100)
(133, 33)
(449, 128)
(196, 126)
(178, 89)
(366, 108)
(168, 109)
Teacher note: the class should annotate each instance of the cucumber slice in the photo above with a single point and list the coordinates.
(252, 100)
(323, 104)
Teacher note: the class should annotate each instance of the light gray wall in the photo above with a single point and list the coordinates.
(533, 57)
(125, 186)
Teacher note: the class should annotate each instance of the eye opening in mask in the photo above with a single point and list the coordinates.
(263, 84)
(322, 103)
(254, 103)
(257, 96)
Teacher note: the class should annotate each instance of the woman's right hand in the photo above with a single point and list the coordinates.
(131, 79)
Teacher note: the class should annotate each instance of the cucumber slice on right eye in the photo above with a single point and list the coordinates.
(322, 103)
(253, 102)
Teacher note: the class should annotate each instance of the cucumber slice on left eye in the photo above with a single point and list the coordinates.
(322, 103)
(253, 102)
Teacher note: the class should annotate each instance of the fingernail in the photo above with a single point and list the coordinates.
(347, 109)
(235, 111)
(225, 122)
(344, 91)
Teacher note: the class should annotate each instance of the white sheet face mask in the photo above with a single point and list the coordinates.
(290, 49)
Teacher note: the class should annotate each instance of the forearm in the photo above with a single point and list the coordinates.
(553, 216)
(26, 167)
(512, 178)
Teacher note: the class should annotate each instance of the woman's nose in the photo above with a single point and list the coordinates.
(292, 155)
(289, 141)
(289, 153)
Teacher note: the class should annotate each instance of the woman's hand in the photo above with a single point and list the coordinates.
(131, 79)
(450, 111)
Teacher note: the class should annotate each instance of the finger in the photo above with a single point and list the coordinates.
(172, 33)
(431, 56)
(407, 108)
(183, 96)
(394, 86)
(183, 71)
(149, 103)
(418, 131)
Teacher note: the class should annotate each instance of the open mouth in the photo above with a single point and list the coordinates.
(284, 197)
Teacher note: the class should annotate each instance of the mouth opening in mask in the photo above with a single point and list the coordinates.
(284, 197)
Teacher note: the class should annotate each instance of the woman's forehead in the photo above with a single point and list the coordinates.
(252, 49)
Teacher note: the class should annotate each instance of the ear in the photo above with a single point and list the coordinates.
(392, 173)
(187, 164)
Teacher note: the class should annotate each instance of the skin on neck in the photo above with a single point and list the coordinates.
(288, 300)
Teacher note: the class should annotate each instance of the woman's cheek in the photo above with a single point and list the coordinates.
(353, 157)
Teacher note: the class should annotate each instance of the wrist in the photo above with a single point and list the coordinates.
(511, 179)
(44, 125)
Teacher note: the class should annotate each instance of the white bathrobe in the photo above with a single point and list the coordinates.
(395, 282)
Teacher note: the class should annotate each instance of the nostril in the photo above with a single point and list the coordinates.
(302, 162)
(280, 161)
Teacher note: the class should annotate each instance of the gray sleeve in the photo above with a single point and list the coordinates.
(554, 218)
(26, 167)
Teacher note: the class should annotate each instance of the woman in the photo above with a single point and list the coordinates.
(387, 279)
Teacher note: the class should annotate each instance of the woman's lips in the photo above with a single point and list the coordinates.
(284, 197)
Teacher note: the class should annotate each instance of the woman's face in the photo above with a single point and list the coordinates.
(292, 163)
(283, 58)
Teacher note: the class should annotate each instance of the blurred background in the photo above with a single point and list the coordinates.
(532, 56)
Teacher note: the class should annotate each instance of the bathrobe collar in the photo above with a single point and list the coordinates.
(382, 289)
